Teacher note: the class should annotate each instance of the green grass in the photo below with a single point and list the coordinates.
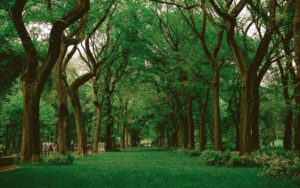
(139, 169)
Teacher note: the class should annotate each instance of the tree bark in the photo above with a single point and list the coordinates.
(179, 134)
(202, 109)
(98, 128)
(98, 106)
(287, 139)
(124, 110)
(202, 132)
(109, 124)
(179, 124)
(74, 98)
(122, 143)
(30, 149)
(185, 131)
(254, 118)
(296, 29)
(191, 137)
(246, 106)
(81, 135)
(168, 138)
(126, 138)
(162, 136)
(216, 107)
(33, 80)
(7, 141)
(175, 129)
(234, 108)
(247, 70)
(63, 112)
(55, 133)
(131, 138)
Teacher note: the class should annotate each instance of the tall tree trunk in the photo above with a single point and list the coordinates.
(126, 138)
(202, 109)
(248, 70)
(63, 112)
(98, 106)
(246, 106)
(30, 149)
(296, 29)
(185, 132)
(34, 79)
(98, 128)
(131, 138)
(216, 107)
(55, 133)
(169, 140)
(234, 107)
(162, 136)
(190, 123)
(109, 124)
(287, 138)
(124, 110)
(202, 132)
(174, 132)
(254, 119)
(7, 141)
(122, 143)
(81, 135)
(179, 134)
(179, 130)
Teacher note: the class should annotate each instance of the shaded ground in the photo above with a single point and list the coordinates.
(8, 168)
(139, 169)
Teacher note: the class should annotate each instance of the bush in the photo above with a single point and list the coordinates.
(215, 158)
(191, 153)
(227, 158)
(195, 153)
(234, 160)
(278, 162)
(275, 162)
(261, 158)
(281, 166)
(57, 159)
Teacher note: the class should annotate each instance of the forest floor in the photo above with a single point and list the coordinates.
(138, 169)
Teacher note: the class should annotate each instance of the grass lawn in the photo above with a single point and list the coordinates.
(139, 169)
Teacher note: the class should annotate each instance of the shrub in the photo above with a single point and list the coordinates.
(227, 158)
(260, 158)
(234, 161)
(275, 162)
(248, 161)
(215, 158)
(57, 159)
(281, 166)
(278, 162)
(193, 153)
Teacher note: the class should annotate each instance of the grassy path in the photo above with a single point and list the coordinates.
(138, 169)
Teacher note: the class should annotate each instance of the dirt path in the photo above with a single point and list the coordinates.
(8, 168)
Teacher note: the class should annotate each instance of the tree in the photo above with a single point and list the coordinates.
(34, 80)
(296, 29)
(248, 71)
